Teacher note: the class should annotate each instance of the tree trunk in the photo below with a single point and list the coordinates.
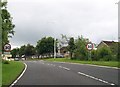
(71, 55)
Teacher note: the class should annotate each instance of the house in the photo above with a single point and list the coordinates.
(111, 44)
(107, 44)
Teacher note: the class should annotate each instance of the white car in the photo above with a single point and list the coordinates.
(16, 59)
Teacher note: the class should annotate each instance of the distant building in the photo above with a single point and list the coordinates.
(107, 44)
(111, 44)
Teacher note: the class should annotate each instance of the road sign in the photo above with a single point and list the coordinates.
(89, 46)
(7, 48)
(6, 53)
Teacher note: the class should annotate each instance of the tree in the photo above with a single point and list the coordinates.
(50, 45)
(71, 47)
(29, 50)
(7, 25)
(45, 46)
(15, 52)
(22, 50)
(80, 50)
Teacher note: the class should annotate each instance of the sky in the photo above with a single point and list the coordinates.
(34, 19)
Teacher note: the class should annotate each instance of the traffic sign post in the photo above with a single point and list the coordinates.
(7, 48)
(89, 48)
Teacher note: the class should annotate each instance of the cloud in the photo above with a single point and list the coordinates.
(94, 19)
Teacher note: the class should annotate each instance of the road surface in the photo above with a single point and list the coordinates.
(54, 73)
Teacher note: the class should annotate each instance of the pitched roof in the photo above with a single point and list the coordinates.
(109, 43)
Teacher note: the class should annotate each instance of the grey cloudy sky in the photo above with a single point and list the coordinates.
(94, 19)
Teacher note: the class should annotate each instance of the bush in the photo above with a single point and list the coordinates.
(5, 62)
(104, 54)
(79, 56)
(114, 57)
(94, 55)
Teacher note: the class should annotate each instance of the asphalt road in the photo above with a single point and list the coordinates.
(53, 73)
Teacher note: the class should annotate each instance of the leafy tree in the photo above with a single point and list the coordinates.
(50, 45)
(45, 46)
(29, 50)
(81, 51)
(71, 47)
(7, 25)
(40, 46)
(15, 52)
(22, 50)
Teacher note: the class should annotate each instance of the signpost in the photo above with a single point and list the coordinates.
(7, 49)
(89, 47)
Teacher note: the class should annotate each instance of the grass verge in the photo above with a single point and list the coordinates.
(102, 63)
(11, 71)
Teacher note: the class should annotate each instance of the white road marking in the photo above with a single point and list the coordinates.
(60, 66)
(19, 76)
(88, 65)
(95, 78)
(64, 68)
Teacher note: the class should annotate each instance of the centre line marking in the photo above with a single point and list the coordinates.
(66, 68)
(95, 78)
(60, 66)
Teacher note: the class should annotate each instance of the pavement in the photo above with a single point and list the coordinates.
(56, 73)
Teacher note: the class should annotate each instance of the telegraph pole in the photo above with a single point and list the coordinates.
(0, 45)
(54, 47)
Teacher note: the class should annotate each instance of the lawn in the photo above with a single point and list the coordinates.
(102, 63)
(11, 71)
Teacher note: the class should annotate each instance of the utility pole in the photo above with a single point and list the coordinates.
(54, 47)
(119, 21)
(0, 45)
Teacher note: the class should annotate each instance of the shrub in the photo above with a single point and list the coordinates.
(5, 62)
(94, 55)
(104, 54)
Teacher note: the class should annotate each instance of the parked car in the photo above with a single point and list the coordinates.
(59, 56)
(16, 59)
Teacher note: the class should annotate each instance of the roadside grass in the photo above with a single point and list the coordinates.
(102, 63)
(11, 71)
